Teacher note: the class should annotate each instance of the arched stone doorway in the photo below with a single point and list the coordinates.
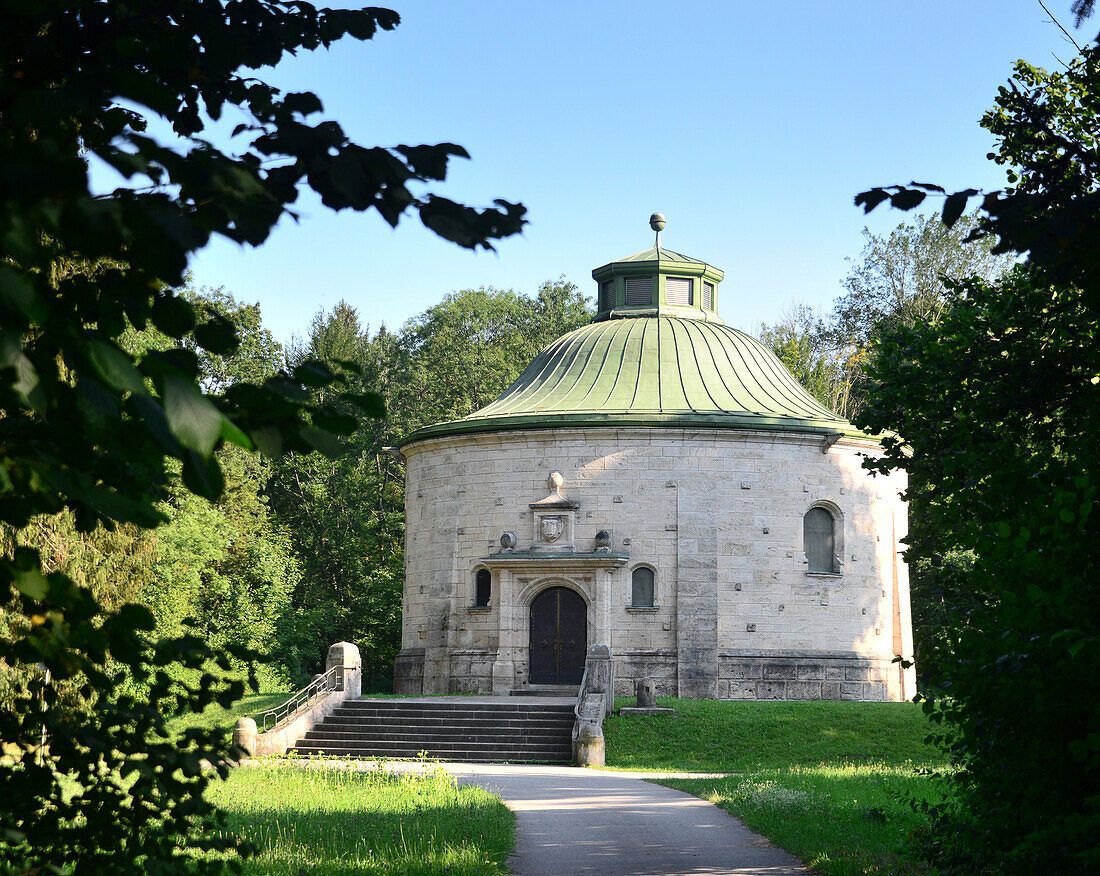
(559, 637)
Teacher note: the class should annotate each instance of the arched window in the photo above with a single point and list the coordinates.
(819, 540)
(641, 588)
(483, 588)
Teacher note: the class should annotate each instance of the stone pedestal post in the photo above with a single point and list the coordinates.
(244, 735)
(346, 656)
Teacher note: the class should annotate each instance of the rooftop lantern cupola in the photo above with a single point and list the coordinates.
(658, 282)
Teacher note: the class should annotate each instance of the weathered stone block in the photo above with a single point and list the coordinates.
(742, 690)
(767, 690)
(742, 669)
(810, 672)
(853, 691)
(803, 690)
(779, 669)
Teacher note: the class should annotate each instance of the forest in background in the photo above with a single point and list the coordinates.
(308, 549)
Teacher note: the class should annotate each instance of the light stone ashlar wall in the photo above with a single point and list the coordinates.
(716, 513)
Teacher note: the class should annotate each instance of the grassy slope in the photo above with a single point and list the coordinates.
(715, 736)
(343, 822)
(215, 716)
(829, 782)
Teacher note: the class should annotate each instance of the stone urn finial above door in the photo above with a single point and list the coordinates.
(554, 517)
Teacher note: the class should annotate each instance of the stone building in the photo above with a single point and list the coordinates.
(659, 483)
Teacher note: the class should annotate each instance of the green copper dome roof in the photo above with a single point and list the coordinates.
(652, 371)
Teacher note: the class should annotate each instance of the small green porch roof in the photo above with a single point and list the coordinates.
(652, 371)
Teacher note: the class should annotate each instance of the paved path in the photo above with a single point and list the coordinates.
(573, 821)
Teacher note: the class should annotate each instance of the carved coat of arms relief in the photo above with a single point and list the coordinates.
(551, 528)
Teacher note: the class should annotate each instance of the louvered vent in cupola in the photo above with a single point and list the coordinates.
(708, 296)
(607, 295)
(678, 290)
(639, 291)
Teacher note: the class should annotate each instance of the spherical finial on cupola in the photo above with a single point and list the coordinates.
(657, 222)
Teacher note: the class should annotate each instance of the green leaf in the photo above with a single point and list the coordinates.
(32, 584)
(156, 422)
(218, 335)
(192, 417)
(870, 199)
(20, 295)
(907, 199)
(202, 476)
(114, 367)
(372, 404)
(324, 442)
(335, 422)
(314, 373)
(173, 316)
(954, 206)
(137, 617)
(232, 433)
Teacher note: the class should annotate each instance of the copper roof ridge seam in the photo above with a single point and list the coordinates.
(688, 326)
(638, 377)
(589, 345)
(521, 385)
(712, 338)
(814, 409)
(619, 371)
(737, 345)
(574, 340)
(602, 365)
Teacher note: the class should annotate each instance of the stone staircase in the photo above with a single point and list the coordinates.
(475, 730)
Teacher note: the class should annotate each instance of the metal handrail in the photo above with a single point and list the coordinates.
(329, 681)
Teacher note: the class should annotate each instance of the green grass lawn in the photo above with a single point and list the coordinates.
(342, 822)
(723, 736)
(215, 716)
(828, 782)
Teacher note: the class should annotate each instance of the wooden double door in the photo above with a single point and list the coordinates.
(559, 637)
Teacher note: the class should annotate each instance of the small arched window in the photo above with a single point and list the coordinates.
(483, 588)
(819, 540)
(641, 588)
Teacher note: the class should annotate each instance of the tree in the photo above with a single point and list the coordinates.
(803, 342)
(996, 410)
(462, 353)
(899, 279)
(90, 426)
(347, 514)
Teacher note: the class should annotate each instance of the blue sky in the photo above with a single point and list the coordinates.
(750, 125)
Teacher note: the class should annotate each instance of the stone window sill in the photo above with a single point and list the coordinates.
(479, 609)
(643, 608)
(836, 576)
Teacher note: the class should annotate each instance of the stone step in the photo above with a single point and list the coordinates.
(460, 756)
(386, 735)
(546, 690)
(490, 751)
(450, 730)
(517, 707)
(462, 722)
